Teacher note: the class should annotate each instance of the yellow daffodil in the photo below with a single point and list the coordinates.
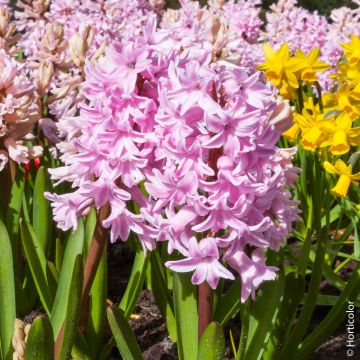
(309, 123)
(340, 135)
(309, 64)
(278, 68)
(346, 177)
(352, 50)
(343, 100)
(347, 74)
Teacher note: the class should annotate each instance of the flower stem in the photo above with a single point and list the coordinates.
(205, 302)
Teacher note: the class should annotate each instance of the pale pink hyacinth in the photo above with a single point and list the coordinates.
(19, 111)
(188, 137)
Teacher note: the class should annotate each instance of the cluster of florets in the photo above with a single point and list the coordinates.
(19, 111)
(181, 147)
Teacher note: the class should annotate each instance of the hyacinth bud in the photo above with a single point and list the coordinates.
(7, 31)
(215, 27)
(46, 71)
(80, 44)
(42, 5)
(4, 22)
(53, 40)
(282, 117)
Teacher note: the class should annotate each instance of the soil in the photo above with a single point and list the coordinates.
(151, 333)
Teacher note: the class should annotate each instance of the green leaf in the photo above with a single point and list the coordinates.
(333, 319)
(40, 341)
(229, 304)
(97, 308)
(292, 341)
(74, 247)
(38, 265)
(212, 343)
(293, 293)
(81, 348)
(73, 310)
(161, 294)
(7, 293)
(263, 315)
(186, 316)
(135, 283)
(41, 216)
(59, 254)
(13, 214)
(90, 225)
(124, 337)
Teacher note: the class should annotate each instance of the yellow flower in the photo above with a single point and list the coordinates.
(343, 100)
(352, 50)
(278, 68)
(340, 135)
(309, 64)
(310, 122)
(346, 177)
(293, 133)
(347, 74)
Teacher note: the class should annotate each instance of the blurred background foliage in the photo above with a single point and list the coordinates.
(322, 6)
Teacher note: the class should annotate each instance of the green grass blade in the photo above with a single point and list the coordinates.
(73, 310)
(124, 337)
(7, 293)
(74, 247)
(186, 316)
(212, 343)
(40, 341)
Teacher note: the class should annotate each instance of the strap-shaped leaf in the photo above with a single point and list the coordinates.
(229, 304)
(293, 293)
(13, 212)
(161, 293)
(40, 341)
(333, 319)
(263, 315)
(73, 310)
(7, 294)
(124, 337)
(212, 343)
(38, 265)
(97, 309)
(186, 316)
(135, 284)
(74, 247)
(41, 215)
